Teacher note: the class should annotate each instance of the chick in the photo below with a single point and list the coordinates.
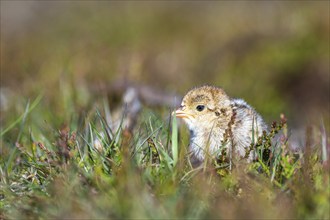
(217, 122)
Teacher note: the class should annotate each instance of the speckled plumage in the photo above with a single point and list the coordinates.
(223, 122)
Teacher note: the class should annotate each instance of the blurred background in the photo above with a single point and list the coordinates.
(273, 54)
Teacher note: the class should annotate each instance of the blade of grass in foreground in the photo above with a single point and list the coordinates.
(175, 151)
(33, 105)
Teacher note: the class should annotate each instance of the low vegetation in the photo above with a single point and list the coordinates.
(90, 168)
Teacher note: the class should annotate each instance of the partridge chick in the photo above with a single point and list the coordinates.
(217, 122)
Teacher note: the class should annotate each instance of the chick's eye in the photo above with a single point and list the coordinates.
(200, 108)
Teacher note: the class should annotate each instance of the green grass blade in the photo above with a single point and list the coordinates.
(175, 151)
(23, 121)
(18, 120)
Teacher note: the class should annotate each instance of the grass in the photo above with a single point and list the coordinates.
(89, 168)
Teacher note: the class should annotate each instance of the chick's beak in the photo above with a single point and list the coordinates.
(179, 113)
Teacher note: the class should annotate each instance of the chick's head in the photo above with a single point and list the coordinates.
(204, 107)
